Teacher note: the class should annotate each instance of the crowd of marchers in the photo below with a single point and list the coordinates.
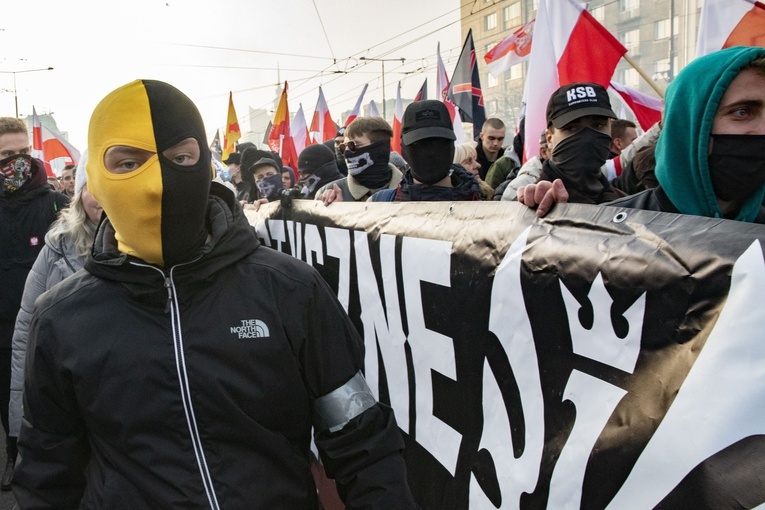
(121, 384)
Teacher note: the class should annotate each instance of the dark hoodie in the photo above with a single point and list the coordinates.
(465, 187)
(682, 168)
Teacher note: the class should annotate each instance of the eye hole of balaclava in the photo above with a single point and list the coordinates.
(158, 209)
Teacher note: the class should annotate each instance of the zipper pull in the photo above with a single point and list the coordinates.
(169, 287)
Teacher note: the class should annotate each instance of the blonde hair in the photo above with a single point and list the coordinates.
(376, 129)
(12, 125)
(464, 151)
(73, 223)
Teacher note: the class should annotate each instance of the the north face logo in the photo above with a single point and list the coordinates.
(252, 328)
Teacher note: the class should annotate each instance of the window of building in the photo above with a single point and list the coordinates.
(490, 21)
(599, 13)
(491, 80)
(515, 72)
(630, 78)
(628, 5)
(631, 40)
(511, 15)
(661, 29)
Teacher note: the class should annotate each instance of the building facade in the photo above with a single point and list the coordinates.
(660, 37)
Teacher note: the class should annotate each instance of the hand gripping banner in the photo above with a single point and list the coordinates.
(600, 358)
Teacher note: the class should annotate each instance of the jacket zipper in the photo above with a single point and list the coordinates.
(183, 381)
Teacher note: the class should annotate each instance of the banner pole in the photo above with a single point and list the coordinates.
(645, 76)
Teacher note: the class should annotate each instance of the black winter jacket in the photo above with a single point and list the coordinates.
(197, 386)
(24, 220)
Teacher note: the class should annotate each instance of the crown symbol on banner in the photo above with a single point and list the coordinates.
(601, 343)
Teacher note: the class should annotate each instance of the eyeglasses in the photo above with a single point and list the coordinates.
(350, 145)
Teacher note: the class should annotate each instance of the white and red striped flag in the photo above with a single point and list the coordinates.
(398, 116)
(51, 148)
(726, 23)
(647, 109)
(569, 46)
(322, 126)
(357, 107)
(442, 91)
(299, 131)
(511, 50)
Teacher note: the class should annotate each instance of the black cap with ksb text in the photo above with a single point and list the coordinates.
(426, 119)
(576, 100)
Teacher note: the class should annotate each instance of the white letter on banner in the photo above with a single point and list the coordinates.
(510, 323)
(721, 400)
(339, 246)
(276, 227)
(386, 332)
(313, 245)
(426, 260)
(595, 401)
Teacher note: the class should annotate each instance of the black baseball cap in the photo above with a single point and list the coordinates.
(234, 158)
(575, 100)
(426, 119)
(264, 162)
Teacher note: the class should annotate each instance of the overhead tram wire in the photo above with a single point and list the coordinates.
(332, 52)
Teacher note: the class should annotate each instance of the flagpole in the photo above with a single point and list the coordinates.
(645, 76)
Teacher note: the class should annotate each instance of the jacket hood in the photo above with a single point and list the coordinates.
(690, 106)
(230, 239)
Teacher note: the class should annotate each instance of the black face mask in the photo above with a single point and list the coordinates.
(270, 187)
(15, 171)
(737, 165)
(430, 160)
(584, 151)
(369, 165)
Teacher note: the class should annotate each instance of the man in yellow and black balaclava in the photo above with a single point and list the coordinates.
(173, 372)
(150, 169)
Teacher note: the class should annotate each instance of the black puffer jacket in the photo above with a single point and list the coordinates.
(197, 387)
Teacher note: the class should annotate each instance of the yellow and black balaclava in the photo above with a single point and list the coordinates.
(158, 209)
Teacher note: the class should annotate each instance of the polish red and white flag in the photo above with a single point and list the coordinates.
(299, 131)
(398, 116)
(647, 109)
(511, 50)
(52, 148)
(357, 108)
(372, 110)
(569, 46)
(726, 23)
(442, 91)
(322, 126)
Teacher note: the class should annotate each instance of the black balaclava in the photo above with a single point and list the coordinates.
(430, 159)
(157, 210)
(369, 165)
(737, 165)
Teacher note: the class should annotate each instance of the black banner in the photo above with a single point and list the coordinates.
(599, 358)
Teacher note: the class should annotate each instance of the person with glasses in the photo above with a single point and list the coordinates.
(367, 155)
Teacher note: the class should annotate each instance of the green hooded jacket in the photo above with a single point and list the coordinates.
(690, 106)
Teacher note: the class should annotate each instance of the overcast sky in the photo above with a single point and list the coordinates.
(209, 48)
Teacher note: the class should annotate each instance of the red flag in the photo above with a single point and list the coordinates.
(322, 126)
(279, 140)
(357, 108)
(422, 94)
(398, 116)
(52, 148)
(569, 46)
(232, 133)
(726, 23)
(647, 109)
(511, 50)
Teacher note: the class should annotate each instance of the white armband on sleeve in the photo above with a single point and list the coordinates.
(335, 409)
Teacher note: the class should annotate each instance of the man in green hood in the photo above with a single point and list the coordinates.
(709, 157)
